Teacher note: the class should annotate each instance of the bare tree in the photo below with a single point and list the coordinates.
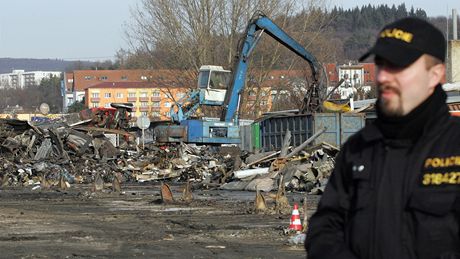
(189, 33)
(185, 34)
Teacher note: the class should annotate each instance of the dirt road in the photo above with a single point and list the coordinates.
(79, 224)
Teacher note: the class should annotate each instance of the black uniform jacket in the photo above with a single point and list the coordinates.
(392, 199)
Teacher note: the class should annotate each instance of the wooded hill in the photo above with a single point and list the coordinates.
(357, 28)
(7, 65)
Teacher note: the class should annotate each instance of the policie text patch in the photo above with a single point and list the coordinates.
(441, 171)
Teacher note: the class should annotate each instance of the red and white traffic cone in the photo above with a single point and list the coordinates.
(295, 219)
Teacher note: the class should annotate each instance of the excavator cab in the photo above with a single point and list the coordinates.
(213, 82)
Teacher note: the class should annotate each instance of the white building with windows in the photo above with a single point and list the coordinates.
(357, 80)
(21, 78)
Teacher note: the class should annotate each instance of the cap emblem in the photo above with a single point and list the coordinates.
(397, 34)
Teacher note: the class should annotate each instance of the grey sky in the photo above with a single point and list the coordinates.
(93, 29)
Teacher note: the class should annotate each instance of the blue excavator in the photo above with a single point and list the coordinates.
(219, 87)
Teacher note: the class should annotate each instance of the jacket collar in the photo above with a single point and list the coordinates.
(437, 117)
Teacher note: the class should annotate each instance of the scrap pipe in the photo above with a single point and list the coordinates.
(306, 143)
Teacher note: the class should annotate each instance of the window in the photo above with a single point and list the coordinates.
(263, 103)
(156, 104)
(252, 93)
(119, 95)
(107, 105)
(168, 114)
(94, 105)
(143, 94)
(103, 78)
(107, 95)
(168, 95)
(180, 95)
(131, 94)
(156, 114)
(95, 95)
(88, 77)
(144, 104)
(167, 104)
(144, 113)
(124, 77)
(143, 78)
(156, 94)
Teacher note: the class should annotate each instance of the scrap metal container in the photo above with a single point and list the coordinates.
(273, 129)
(246, 138)
(340, 126)
(250, 137)
(255, 128)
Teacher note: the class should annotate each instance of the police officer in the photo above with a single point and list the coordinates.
(395, 189)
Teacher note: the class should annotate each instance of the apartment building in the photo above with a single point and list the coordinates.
(148, 98)
(78, 81)
(358, 79)
(20, 78)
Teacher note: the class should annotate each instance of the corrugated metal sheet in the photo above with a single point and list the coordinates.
(340, 126)
(272, 130)
(246, 138)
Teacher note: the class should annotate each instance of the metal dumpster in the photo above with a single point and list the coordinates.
(340, 126)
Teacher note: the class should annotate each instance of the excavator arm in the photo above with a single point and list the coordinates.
(261, 23)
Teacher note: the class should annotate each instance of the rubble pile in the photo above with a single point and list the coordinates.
(30, 154)
(57, 153)
(307, 172)
(181, 162)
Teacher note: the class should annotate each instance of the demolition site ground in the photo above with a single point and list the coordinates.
(78, 223)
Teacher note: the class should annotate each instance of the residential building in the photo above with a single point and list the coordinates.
(358, 79)
(148, 98)
(77, 81)
(67, 89)
(21, 78)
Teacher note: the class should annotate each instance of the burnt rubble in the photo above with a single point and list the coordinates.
(59, 155)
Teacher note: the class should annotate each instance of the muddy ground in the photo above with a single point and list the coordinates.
(79, 224)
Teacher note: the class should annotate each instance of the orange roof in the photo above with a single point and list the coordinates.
(86, 78)
(131, 85)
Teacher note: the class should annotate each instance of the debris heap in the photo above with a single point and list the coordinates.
(60, 154)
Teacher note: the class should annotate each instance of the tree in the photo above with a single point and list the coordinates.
(185, 34)
(30, 98)
(189, 33)
(48, 91)
(76, 107)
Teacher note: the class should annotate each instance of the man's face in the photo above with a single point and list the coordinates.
(401, 89)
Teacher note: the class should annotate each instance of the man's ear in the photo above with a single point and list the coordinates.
(437, 74)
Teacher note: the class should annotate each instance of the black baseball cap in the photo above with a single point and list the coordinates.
(404, 41)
